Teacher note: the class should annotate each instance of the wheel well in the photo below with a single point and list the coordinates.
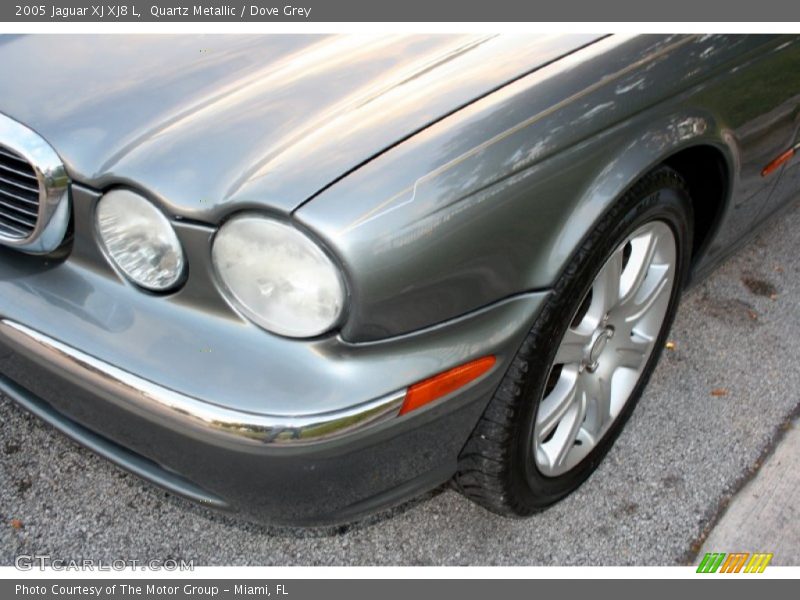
(706, 173)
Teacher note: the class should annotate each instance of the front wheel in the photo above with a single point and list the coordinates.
(583, 366)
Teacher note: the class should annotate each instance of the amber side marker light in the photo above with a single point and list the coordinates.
(440, 385)
(780, 160)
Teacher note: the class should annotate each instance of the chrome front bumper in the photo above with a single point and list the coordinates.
(142, 396)
(344, 471)
(311, 469)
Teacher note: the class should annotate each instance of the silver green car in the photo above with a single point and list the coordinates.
(304, 278)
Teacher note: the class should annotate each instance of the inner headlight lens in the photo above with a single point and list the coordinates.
(278, 277)
(140, 240)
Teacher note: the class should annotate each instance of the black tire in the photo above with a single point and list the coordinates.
(495, 467)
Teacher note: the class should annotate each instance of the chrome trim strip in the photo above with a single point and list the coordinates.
(54, 213)
(156, 402)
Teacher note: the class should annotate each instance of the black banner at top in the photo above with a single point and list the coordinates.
(410, 10)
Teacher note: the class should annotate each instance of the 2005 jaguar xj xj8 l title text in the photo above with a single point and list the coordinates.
(304, 278)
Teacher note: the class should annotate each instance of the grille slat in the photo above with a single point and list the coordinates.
(18, 185)
(19, 195)
(29, 201)
(18, 219)
(13, 156)
(22, 210)
(15, 230)
(14, 172)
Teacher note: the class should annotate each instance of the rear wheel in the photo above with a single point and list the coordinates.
(580, 371)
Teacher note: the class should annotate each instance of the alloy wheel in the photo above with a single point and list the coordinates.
(605, 349)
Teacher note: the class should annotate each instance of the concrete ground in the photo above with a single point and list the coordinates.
(713, 411)
(764, 516)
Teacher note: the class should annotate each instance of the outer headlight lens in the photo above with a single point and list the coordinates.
(140, 240)
(278, 277)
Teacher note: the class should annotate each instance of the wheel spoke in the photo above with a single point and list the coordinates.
(606, 287)
(566, 440)
(632, 352)
(571, 348)
(598, 389)
(557, 403)
(643, 248)
(651, 289)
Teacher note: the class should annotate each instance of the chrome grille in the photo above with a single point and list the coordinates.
(34, 190)
(19, 195)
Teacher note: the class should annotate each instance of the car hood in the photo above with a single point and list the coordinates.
(209, 124)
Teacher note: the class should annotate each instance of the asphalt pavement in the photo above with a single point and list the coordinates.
(719, 400)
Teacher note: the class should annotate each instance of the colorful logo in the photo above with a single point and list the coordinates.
(736, 562)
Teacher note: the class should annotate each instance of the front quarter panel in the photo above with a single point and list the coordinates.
(494, 200)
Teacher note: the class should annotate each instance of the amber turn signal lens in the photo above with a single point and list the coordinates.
(442, 384)
(778, 162)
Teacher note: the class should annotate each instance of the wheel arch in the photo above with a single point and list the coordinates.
(692, 143)
(707, 173)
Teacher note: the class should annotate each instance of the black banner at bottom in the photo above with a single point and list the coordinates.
(380, 589)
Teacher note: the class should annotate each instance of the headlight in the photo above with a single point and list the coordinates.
(140, 240)
(278, 277)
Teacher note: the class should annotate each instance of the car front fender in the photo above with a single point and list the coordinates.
(493, 201)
